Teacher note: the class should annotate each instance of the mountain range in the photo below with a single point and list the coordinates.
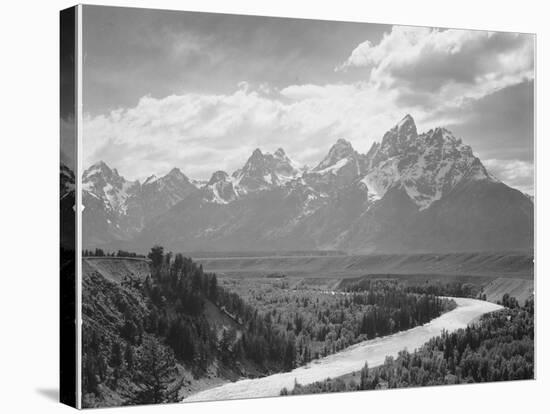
(411, 192)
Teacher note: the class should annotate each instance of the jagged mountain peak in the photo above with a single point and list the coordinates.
(256, 154)
(341, 142)
(101, 175)
(280, 153)
(443, 134)
(264, 170)
(341, 150)
(176, 172)
(406, 122)
(218, 176)
(99, 167)
(99, 164)
(406, 128)
(219, 189)
(400, 137)
(150, 179)
(254, 163)
(427, 166)
(104, 183)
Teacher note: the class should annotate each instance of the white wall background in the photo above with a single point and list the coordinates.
(29, 199)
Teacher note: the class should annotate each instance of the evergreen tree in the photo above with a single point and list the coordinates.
(155, 374)
(156, 255)
(116, 355)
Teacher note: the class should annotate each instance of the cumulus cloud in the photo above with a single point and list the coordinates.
(449, 62)
(201, 133)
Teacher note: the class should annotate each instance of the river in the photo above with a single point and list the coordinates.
(373, 351)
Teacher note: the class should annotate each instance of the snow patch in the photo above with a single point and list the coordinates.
(333, 169)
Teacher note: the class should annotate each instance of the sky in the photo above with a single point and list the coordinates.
(201, 91)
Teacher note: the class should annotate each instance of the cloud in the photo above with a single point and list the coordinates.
(202, 133)
(516, 173)
(455, 64)
(442, 77)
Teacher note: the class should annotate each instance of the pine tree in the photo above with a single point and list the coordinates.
(116, 355)
(364, 377)
(155, 374)
(156, 255)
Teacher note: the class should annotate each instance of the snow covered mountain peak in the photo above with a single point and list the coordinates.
(150, 179)
(217, 177)
(407, 123)
(108, 185)
(125, 206)
(100, 168)
(174, 177)
(219, 189)
(396, 141)
(409, 187)
(264, 170)
(341, 150)
(176, 173)
(280, 153)
(426, 166)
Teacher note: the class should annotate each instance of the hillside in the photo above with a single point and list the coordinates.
(492, 265)
(117, 269)
(520, 289)
(167, 320)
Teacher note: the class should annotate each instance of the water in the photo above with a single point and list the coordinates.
(351, 359)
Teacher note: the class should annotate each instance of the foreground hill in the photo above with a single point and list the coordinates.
(152, 338)
(159, 335)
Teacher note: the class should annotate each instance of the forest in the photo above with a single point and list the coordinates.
(499, 347)
(430, 287)
(102, 253)
(326, 322)
(140, 336)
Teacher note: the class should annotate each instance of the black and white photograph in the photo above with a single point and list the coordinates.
(277, 206)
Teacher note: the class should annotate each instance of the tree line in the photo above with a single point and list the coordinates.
(102, 253)
(500, 347)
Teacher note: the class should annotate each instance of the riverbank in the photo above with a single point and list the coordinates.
(351, 359)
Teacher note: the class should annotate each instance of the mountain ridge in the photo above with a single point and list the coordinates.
(358, 202)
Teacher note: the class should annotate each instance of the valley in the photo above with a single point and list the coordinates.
(373, 352)
(254, 206)
(321, 316)
(292, 274)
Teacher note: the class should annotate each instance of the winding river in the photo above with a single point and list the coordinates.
(351, 359)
